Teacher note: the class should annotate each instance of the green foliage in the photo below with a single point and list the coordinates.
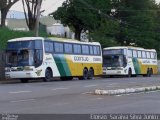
(6, 34)
(82, 15)
(140, 23)
(105, 34)
(133, 22)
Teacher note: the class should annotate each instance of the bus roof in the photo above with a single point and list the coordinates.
(71, 40)
(24, 39)
(52, 38)
(128, 47)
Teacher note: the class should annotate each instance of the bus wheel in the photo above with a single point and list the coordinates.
(48, 75)
(129, 73)
(91, 74)
(24, 80)
(85, 74)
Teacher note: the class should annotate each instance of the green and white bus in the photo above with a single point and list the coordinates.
(37, 57)
(130, 61)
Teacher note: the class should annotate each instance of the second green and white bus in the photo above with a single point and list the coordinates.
(37, 57)
(129, 61)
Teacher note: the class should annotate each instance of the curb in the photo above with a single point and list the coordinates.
(126, 91)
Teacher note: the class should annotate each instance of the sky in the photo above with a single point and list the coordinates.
(47, 5)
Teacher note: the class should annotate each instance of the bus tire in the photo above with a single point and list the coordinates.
(48, 75)
(129, 73)
(23, 80)
(85, 74)
(91, 74)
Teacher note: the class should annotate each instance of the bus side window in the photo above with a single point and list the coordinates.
(130, 53)
(91, 50)
(68, 48)
(95, 50)
(85, 49)
(38, 57)
(139, 54)
(77, 49)
(148, 55)
(143, 54)
(135, 53)
(58, 47)
(152, 55)
(98, 50)
(48, 46)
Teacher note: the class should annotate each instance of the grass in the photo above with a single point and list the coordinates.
(6, 34)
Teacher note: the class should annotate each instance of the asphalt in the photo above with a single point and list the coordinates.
(74, 97)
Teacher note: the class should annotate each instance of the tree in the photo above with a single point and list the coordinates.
(137, 21)
(32, 13)
(82, 15)
(5, 5)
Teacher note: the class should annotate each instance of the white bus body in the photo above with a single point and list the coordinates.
(130, 61)
(52, 57)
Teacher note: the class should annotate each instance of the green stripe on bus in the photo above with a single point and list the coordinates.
(136, 65)
(65, 66)
(62, 65)
(59, 65)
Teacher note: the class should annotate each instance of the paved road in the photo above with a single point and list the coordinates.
(74, 97)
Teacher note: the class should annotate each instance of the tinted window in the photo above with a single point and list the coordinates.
(153, 55)
(48, 46)
(68, 48)
(134, 53)
(77, 49)
(85, 49)
(38, 44)
(148, 55)
(129, 53)
(143, 54)
(91, 50)
(58, 47)
(113, 51)
(95, 50)
(139, 54)
(98, 50)
(20, 45)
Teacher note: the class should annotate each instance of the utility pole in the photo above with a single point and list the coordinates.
(37, 18)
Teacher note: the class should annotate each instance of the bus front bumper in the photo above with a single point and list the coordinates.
(120, 71)
(20, 74)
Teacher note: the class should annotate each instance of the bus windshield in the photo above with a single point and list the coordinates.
(114, 58)
(20, 58)
(24, 53)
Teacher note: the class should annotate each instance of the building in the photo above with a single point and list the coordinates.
(47, 23)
